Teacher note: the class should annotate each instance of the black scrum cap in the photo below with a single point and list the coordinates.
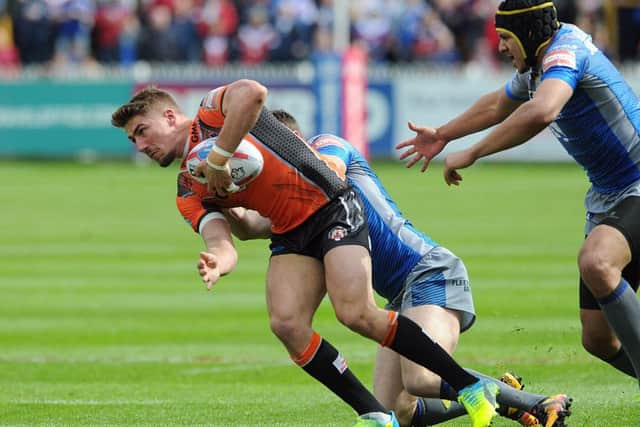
(531, 22)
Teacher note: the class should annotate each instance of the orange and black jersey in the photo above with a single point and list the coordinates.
(294, 183)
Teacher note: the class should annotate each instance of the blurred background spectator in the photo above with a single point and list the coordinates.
(217, 32)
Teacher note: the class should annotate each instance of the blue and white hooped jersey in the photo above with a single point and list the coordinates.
(600, 124)
(396, 246)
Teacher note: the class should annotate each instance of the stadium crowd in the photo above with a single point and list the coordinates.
(216, 32)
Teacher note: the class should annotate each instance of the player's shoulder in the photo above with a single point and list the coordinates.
(210, 109)
(569, 48)
(328, 140)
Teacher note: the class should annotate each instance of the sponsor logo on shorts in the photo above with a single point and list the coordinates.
(459, 283)
(338, 233)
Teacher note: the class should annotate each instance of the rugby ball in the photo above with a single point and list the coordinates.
(245, 163)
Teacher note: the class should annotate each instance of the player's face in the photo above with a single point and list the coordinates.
(153, 134)
(510, 48)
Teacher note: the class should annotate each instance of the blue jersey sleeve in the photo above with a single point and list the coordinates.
(568, 56)
(518, 88)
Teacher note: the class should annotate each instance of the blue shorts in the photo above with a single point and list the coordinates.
(439, 278)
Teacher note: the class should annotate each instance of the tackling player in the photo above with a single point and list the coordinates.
(422, 280)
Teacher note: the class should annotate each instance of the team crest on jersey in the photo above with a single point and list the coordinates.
(559, 58)
(338, 233)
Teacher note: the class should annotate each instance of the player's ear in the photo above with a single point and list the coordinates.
(170, 115)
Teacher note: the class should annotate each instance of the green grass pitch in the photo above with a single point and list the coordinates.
(104, 321)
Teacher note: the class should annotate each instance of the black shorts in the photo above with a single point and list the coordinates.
(624, 217)
(342, 221)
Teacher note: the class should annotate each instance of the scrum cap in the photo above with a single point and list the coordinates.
(531, 22)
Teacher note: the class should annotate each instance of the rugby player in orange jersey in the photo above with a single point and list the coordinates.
(319, 238)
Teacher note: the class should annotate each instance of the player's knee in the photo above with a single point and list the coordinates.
(594, 267)
(427, 384)
(285, 328)
(354, 318)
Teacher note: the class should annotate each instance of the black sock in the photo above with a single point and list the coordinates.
(447, 392)
(511, 397)
(413, 343)
(621, 362)
(330, 368)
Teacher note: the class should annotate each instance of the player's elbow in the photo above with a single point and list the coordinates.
(252, 91)
(541, 115)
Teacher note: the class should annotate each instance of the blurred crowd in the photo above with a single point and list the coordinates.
(76, 33)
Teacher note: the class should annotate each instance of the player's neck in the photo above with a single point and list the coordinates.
(183, 124)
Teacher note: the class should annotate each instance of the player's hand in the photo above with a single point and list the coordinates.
(425, 145)
(237, 213)
(455, 161)
(218, 181)
(208, 269)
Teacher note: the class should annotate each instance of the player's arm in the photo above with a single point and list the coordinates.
(524, 123)
(428, 142)
(221, 256)
(247, 224)
(240, 105)
(487, 111)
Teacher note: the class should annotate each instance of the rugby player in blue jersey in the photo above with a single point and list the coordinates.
(422, 280)
(565, 82)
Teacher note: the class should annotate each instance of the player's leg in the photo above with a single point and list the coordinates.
(437, 296)
(348, 281)
(608, 249)
(443, 326)
(599, 340)
(387, 382)
(295, 287)
(597, 336)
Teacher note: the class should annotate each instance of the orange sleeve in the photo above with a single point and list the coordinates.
(189, 203)
(210, 110)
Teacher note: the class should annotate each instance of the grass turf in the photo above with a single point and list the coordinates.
(103, 319)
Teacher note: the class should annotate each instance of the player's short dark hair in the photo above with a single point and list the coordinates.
(287, 119)
(141, 103)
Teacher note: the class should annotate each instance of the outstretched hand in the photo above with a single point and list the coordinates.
(208, 269)
(424, 146)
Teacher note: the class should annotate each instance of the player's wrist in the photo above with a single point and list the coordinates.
(217, 161)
